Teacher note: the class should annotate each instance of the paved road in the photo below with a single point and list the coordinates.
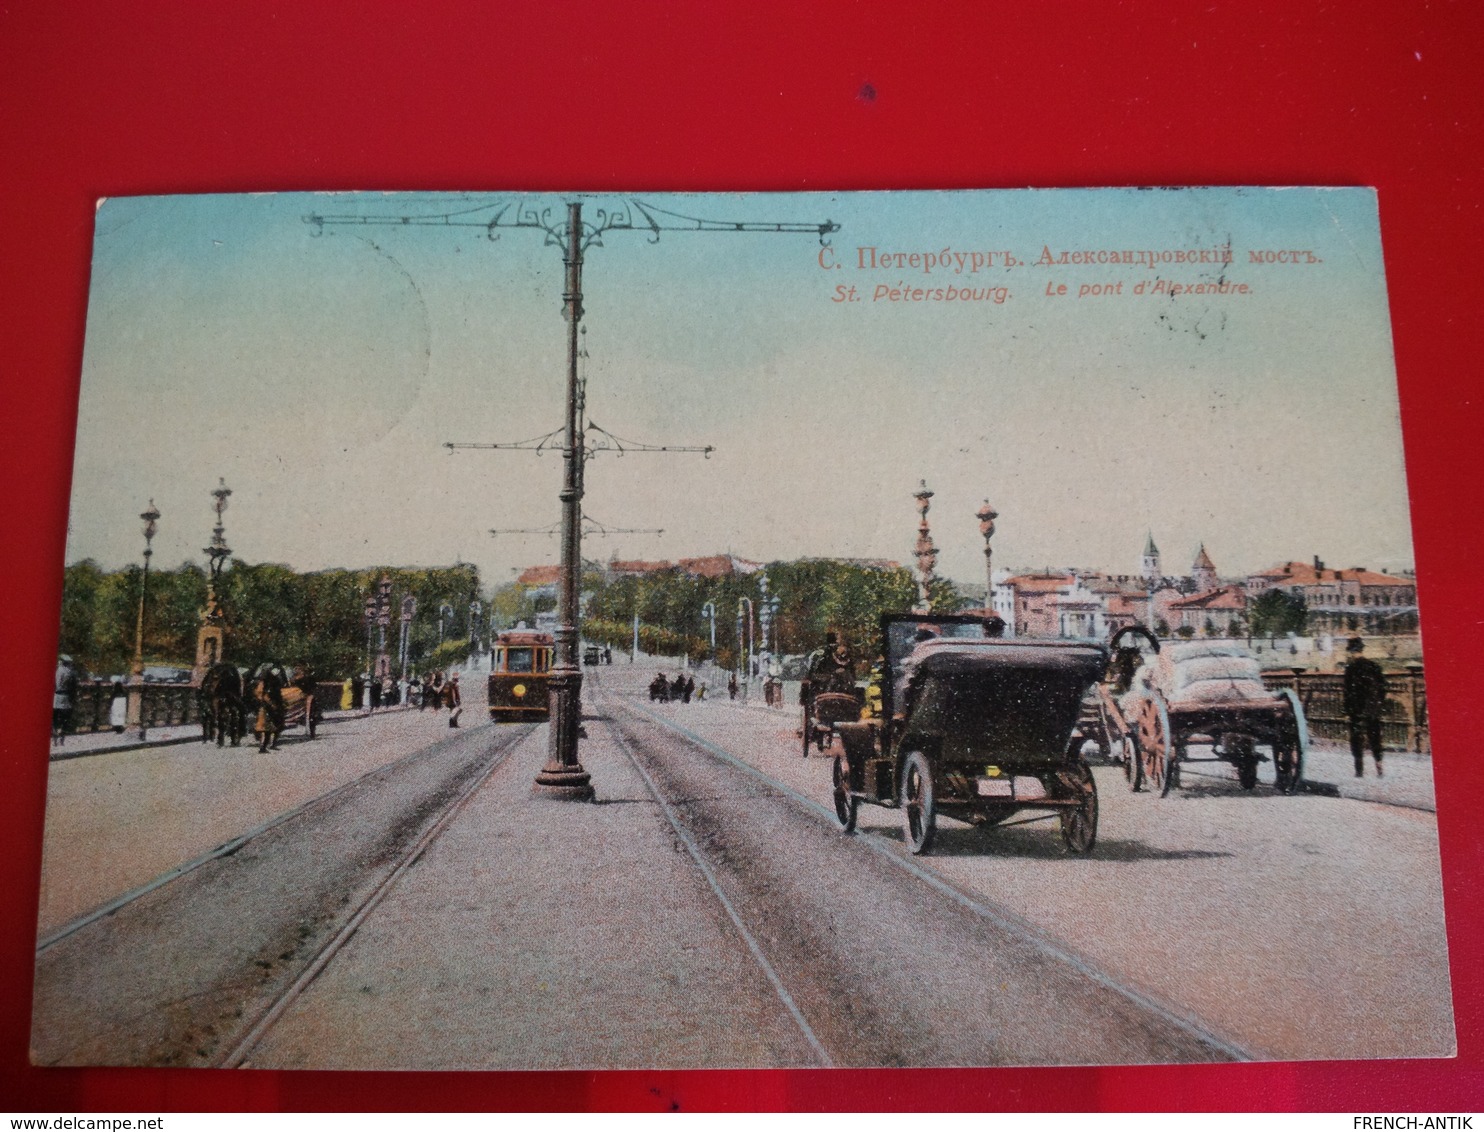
(1308, 926)
(706, 912)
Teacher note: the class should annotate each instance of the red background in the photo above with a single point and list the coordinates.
(157, 97)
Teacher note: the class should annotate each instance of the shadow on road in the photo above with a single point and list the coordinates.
(1044, 844)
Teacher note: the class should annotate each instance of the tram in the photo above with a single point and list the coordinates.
(518, 674)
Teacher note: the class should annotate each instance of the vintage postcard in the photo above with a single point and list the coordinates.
(519, 632)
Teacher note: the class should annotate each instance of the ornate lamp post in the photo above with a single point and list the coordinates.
(708, 611)
(136, 716)
(744, 626)
(369, 617)
(765, 615)
(986, 516)
(211, 638)
(409, 608)
(924, 550)
(383, 622)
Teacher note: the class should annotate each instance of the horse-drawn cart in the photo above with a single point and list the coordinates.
(1211, 695)
(280, 704)
(973, 727)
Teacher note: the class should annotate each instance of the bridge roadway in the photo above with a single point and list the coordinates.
(433, 914)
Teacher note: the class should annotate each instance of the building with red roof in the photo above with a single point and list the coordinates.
(1351, 600)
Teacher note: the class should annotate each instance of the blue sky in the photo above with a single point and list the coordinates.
(320, 375)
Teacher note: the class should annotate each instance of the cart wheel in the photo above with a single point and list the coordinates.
(918, 813)
(1079, 825)
(1155, 747)
(1127, 752)
(1289, 754)
(846, 806)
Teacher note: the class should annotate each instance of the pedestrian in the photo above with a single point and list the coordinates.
(347, 694)
(375, 693)
(118, 706)
(415, 692)
(453, 699)
(688, 690)
(701, 692)
(607, 655)
(732, 686)
(1365, 704)
(64, 699)
(357, 691)
(434, 690)
(677, 687)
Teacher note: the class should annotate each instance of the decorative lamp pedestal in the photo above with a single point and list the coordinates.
(558, 779)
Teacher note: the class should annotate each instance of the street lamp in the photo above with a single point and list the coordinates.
(136, 698)
(924, 550)
(765, 613)
(708, 611)
(445, 613)
(986, 516)
(744, 624)
(409, 608)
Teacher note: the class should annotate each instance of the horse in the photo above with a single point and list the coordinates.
(267, 694)
(220, 698)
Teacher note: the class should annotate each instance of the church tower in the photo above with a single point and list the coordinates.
(1203, 571)
(1150, 569)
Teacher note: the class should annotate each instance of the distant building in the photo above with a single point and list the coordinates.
(540, 581)
(1149, 567)
(1203, 571)
(1352, 600)
(635, 568)
(1215, 612)
(1033, 602)
(718, 566)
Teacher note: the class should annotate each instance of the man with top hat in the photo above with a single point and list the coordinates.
(1365, 704)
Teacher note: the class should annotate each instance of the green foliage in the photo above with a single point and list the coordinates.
(1276, 613)
(514, 603)
(450, 654)
(814, 596)
(1185, 632)
(273, 613)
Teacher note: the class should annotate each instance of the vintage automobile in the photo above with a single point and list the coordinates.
(1210, 695)
(971, 726)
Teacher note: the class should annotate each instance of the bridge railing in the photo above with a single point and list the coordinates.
(1404, 726)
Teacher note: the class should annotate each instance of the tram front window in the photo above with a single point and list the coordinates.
(520, 660)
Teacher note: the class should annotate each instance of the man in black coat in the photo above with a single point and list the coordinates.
(1365, 704)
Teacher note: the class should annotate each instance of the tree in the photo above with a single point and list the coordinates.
(1276, 613)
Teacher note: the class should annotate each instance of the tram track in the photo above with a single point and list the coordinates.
(194, 967)
(901, 918)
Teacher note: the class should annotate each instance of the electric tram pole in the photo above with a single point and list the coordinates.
(563, 775)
